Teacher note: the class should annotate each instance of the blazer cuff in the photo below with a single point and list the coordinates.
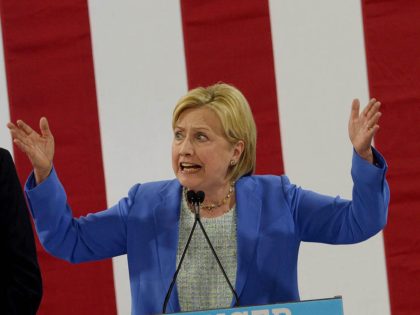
(367, 172)
(49, 192)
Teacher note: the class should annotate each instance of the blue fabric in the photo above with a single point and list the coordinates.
(274, 216)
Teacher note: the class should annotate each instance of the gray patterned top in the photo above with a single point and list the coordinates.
(200, 282)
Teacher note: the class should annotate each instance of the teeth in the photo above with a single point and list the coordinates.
(187, 164)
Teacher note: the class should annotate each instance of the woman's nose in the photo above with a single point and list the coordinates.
(186, 147)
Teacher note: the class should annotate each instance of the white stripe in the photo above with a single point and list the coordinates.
(320, 67)
(140, 74)
(5, 139)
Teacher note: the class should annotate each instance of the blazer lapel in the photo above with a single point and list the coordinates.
(167, 215)
(248, 209)
(167, 231)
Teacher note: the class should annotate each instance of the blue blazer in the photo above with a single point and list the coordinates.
(273, 217)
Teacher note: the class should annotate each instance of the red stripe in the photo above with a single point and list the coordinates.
(50, 72)
(392, 32)
(230, 41)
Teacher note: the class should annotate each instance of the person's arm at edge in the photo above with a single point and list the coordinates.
(24, 289)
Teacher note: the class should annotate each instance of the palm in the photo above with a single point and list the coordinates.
(363, 126)
(41, 149)
(38, 147)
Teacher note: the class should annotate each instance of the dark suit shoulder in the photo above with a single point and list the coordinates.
(9, 183)
(3, 151)
(6, 162)
(21, 280)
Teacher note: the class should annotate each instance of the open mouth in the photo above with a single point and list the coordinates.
(189, 167)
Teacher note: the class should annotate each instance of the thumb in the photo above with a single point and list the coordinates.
(45, 128)
(355, 107)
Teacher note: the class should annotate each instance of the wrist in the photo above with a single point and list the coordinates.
(366, 154)
(41, 175)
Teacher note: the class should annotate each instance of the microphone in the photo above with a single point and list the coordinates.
(191, 196)
(195, 199)
(200, 196)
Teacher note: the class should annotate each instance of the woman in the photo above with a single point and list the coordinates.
(256, 222)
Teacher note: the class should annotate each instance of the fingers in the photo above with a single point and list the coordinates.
(23, 129)
(371, 127)
(374, 108)
(374, 129)
(39, 149)
(363, 127)
(16, 132)
(372, 114)
(26, 128)
(21, 140)
(373, 121)
(368, 107)
(11, 126)
(371, 109)
(44, 127)
(21, 145)
(368, 112)
(24, 136)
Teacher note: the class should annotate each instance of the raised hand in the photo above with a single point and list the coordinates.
(38, 147)
(363, 126)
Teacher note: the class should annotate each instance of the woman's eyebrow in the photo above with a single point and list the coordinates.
(201, 128)
(194, 128)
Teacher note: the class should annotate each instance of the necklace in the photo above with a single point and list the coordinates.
(210, 207)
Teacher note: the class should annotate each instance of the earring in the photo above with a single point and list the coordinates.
(232, 162)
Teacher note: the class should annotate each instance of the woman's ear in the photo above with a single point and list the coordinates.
(238, 149)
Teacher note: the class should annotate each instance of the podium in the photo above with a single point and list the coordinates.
(332, 306)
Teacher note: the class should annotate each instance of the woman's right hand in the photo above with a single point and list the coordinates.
(38, 147)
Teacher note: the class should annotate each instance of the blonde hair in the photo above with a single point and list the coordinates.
(236, 118)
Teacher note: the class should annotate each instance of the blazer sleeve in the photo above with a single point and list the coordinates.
(95, 236)
(21, 283)
(333, 220)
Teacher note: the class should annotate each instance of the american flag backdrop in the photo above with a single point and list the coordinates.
(107, 74)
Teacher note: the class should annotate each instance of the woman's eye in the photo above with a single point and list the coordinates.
(201, 137)
(178, 135)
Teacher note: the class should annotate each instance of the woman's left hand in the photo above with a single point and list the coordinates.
(363, 126)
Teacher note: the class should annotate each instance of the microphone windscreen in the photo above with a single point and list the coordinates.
(191, 196)
(200, 196)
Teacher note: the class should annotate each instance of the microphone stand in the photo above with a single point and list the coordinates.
(191, 198)
(195, 199)
(168, 294)
(197, 219)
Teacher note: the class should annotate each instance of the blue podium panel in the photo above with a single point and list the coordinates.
(333, 306)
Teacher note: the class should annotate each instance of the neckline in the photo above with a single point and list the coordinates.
(186, 209)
